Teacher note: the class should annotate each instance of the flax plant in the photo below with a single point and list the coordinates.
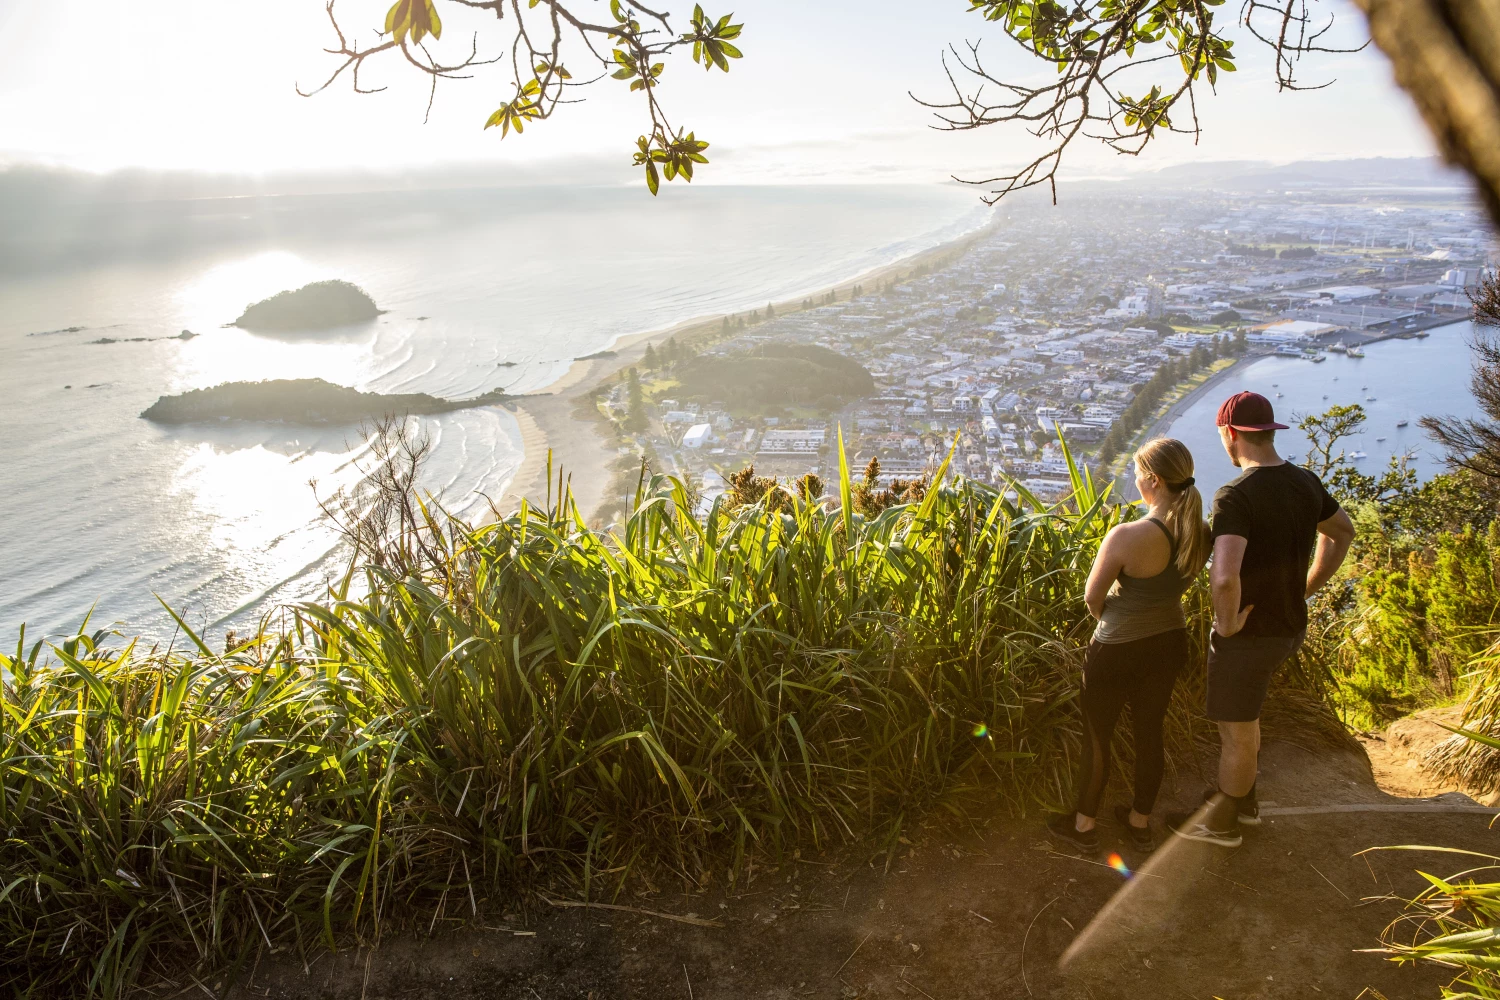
(530, 703)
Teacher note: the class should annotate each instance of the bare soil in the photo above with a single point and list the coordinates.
(1396, 756)
(986, 911)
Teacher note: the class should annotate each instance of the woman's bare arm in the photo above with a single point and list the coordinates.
(1106, 570)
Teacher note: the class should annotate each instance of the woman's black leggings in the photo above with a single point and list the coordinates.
(1141, 674)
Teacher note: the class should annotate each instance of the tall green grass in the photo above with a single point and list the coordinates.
(532, 700)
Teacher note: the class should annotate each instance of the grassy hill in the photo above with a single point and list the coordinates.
(776, 375)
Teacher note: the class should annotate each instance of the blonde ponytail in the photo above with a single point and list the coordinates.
(1172, 464)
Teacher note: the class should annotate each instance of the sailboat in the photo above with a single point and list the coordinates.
(1401, 423)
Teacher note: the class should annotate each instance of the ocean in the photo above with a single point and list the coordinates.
(1396, 380)
(106, 511)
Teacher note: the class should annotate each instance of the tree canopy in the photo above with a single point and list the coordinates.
(632, 46)
(1126, 70)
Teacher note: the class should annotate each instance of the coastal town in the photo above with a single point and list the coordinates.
(1052, 322)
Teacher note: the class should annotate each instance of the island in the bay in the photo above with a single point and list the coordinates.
(301, 401)
(321, 305)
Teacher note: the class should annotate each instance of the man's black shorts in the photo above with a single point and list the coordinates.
(1239, 671)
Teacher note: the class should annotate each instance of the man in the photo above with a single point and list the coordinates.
(1278, 538)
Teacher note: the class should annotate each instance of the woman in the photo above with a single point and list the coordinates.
(1140, 645)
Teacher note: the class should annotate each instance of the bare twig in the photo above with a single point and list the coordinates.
(1024, 979)
(851, 956)
(1100, 864)
(676, 918)
(630, 49)
(1103, 52)
(1325, 878)
(1232, 881)
(914, 986)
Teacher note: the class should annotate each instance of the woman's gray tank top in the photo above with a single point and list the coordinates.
(1141, 607)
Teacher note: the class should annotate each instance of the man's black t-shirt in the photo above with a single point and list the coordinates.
(1277, 509)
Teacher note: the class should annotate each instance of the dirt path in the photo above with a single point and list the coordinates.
(985, 913)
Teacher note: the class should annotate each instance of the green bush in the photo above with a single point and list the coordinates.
(1410, 617)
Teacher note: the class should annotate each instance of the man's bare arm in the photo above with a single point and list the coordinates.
(1334, 538)
(1224, 579)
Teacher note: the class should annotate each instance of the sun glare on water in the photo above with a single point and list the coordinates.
(223, 291)
(221, 353)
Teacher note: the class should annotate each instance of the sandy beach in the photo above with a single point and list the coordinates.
(585, 451)
(1163, 423)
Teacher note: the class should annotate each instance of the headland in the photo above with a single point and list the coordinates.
(301, 401)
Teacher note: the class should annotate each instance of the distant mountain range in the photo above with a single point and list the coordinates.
(1241, 175)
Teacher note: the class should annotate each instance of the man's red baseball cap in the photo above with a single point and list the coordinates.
(1249, 411)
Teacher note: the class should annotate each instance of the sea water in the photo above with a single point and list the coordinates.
(1396, 381)
(484, 289)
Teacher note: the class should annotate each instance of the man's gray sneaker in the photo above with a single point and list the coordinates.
(1194, 826)
(1249, 808)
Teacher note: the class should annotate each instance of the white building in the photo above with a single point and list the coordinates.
(1100, 416)
(1347, 293)
(790, 442)
(991, 429)
(1046, 416)
(1292, 331)
(698, 435)
(1185, 342)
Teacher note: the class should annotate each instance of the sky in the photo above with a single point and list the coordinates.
(821, 96)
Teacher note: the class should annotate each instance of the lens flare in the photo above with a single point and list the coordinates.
(1118, 864)
(981, 730)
